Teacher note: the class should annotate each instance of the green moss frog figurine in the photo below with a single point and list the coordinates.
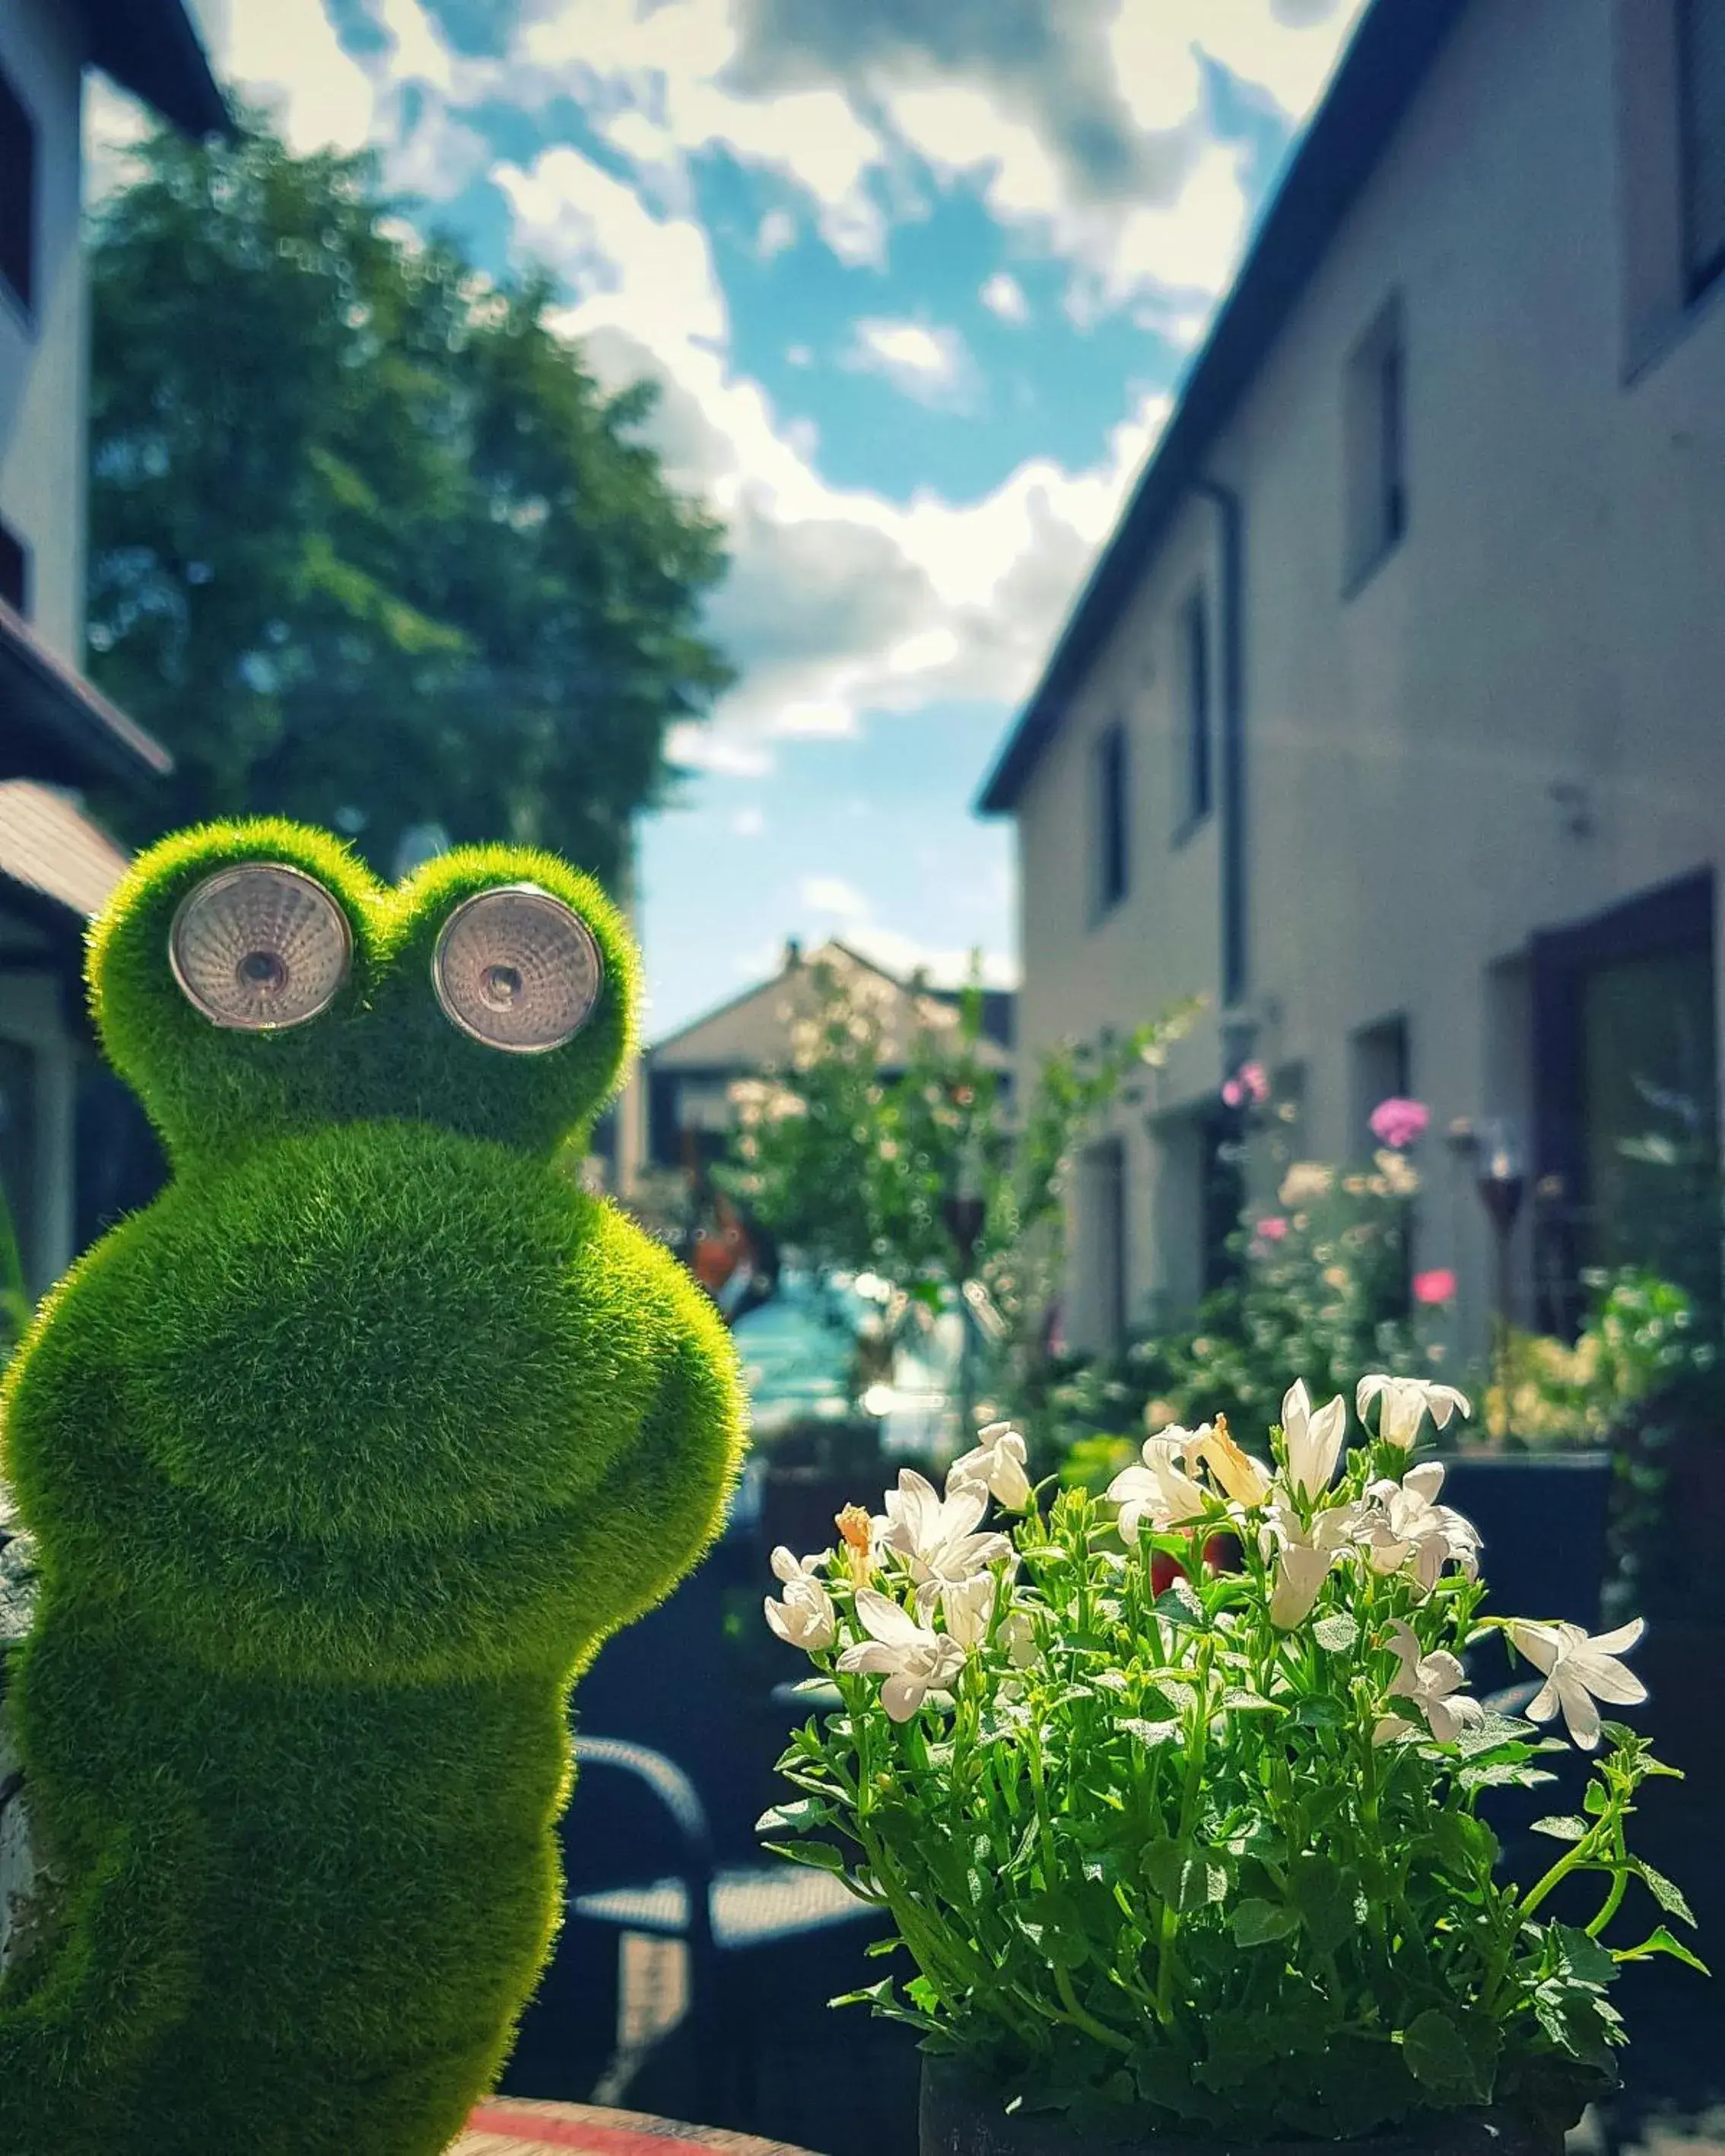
(340, 1460)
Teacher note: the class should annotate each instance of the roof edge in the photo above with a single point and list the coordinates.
(1385, 61)
(151, 48)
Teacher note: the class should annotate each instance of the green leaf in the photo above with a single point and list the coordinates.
(1337, 1633)
(1669, 1897)
(795, 1818)
(1593, 1801)
(1661, 1941)
(1440, 2058)
(1502, 1774)
(1238, 1701)
(1562, 1827)
(1153, 1733)
(1323, 1895)
(818, 1856)
(1182, 1877)
(1256, 1922)
(1581, 1958)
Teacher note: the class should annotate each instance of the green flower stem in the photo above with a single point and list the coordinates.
(1170, 1925)
(1097, 2031)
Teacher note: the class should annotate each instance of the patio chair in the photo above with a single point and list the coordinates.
(755, 1935)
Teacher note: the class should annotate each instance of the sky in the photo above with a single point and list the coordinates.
(919, 280)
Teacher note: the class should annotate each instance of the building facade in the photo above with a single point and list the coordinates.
(1393, 718)
(57, 734)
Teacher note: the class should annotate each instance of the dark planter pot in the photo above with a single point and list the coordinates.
(1544, 1523)
(962, 2116)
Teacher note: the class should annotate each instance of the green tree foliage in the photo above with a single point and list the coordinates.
(856, 1151)
(368, 545)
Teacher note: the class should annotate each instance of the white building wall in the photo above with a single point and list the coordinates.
(1544, 649)
(43, 352)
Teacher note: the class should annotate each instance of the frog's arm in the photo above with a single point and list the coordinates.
(663, 1500)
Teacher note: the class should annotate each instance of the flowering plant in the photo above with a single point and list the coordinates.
(1173, 1796)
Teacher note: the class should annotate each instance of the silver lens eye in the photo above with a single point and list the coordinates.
(260, 947)
(517, 969)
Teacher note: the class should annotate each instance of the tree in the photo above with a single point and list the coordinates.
(368, 545)
(858, 1168)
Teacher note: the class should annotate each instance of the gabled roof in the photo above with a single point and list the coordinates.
(754, 1028)
(1385, 64)
(151, 47)
(60, 726)
(49, 846)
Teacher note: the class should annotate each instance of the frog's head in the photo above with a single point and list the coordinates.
(253, 980)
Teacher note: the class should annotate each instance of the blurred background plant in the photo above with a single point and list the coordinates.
(927, 1183)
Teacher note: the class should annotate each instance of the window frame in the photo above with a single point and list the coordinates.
(1110, 820)
(20, 192)
(1375, 446)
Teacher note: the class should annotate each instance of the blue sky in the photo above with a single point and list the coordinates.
(918, 278)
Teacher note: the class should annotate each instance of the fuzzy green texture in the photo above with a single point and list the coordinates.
(342, 1458)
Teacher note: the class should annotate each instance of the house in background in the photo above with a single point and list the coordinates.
(690, 1074)
(1393, 715)
(71, 1148)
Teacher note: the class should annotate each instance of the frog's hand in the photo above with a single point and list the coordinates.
(663, 1500)
(113, 1969)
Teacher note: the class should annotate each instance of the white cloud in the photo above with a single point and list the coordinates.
(778, 231)
(691, 746)
(931, 365)
(903, 954)
(824, 894)
(1004, 295)
(748, 823)
(287, 55)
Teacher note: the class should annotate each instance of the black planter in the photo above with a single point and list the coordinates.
(962, 2116)
(1543, 1521)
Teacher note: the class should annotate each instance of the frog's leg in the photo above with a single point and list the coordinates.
(114, 1969)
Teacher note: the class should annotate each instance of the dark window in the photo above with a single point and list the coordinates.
(1113, 851)
(14, 571)
(17, 195)
(1700, 75)
(1375, 419)
(1196, 779)
(1382, 1071)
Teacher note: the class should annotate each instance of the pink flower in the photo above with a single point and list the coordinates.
(1397, 1122)
(1438, 1285)
(1249, 1083)
(1274, 1229)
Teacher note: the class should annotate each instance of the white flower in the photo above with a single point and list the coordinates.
(1405, 1525)
(1246, 1480)
(1404, 1402)
(1305, 1181)
(1314, 1441)
(1300, 1572)
(1304, 1559)
(1433, 1683)
(966, 1606)
(914, 1661)
(806, 1618)
(999, 1464)
(938, 1535)
(1160, 1489)
(1579, 1669)
(1018, 1632)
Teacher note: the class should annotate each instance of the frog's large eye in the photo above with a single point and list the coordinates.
(260, 947)
(517, 969)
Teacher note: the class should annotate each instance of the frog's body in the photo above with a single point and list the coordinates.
(341, 1460)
